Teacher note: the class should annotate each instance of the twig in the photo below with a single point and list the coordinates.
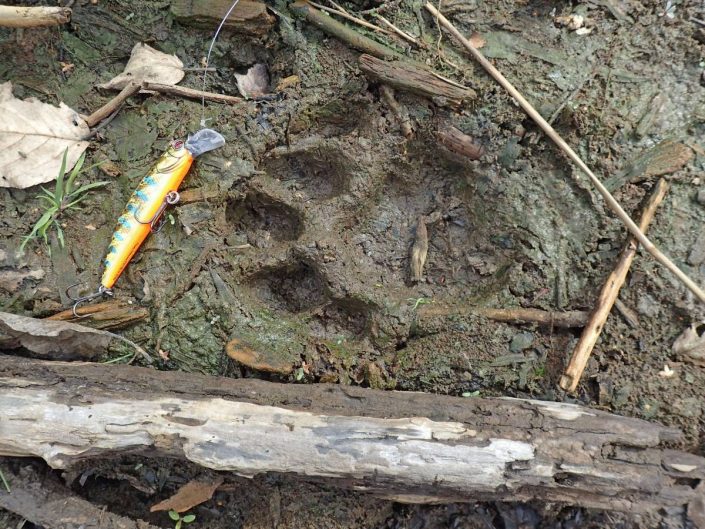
(402, 34)
(560, 142)
(350, 17)
(610, 290)
(191, 93)
(111, 106)
(399, 110)
(29, 17)
(568, 319)
(343, 32)
(103, 123)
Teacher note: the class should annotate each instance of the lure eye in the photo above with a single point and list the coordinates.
(177, 144)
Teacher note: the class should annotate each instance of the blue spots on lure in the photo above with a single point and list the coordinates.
(123, 221)
(149, 181)
(132, 208)
(118, 236)
(141, 195)
(112, 249)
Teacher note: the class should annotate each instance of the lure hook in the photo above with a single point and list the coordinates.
(102, 291)
(171, 198)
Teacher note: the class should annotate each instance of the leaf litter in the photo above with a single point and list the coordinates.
(34, 137)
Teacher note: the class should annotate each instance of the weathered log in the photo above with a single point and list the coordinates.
(414, 78)
(248, 17)
(407, 446)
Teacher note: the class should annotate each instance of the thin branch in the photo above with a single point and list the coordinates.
(111, 106)
(350, 17)
(608, 296)
(191, 93)
(561, 143)
(401, 33)
(28, 17)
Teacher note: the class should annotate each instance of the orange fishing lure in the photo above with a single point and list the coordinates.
(145, 210)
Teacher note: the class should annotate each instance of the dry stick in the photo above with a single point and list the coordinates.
(401, 33)
(560, 142)
(345, 14)
(111, 106)
(608, 295)
(29, 17)
(519, 315)
(191, 93)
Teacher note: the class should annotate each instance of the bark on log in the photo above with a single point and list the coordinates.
(407, 446)
(416, 79)
(248, 17)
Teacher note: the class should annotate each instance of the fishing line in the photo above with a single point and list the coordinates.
(208, 58)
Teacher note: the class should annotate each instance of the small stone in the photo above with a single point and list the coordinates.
(701, 197)
(521, 341)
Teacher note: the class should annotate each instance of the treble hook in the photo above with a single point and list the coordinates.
(171, 198)
(102, 291)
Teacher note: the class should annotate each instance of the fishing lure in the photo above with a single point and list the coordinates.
(144, 212)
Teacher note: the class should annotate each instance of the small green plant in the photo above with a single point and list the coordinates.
(181, 519)
(64, 198)
(4, 482)
(418, 301)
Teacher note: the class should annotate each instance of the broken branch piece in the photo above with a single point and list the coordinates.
(608, 295)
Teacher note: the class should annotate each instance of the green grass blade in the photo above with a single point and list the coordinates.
(59, 190)
(88, 187)
(74, 172)
(49, 194)
(59, 233)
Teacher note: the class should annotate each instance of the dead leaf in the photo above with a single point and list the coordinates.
(33, 138)
(477, 40)
(148, 65)
(255, 83)
(192, 494)
(10, 280)
(690, 345)
(667, 372)
(419, 250)
(55, 340)
(288, 82)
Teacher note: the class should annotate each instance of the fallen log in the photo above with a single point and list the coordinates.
(411, 447)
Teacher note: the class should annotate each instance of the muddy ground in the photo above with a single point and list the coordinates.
(301, 250)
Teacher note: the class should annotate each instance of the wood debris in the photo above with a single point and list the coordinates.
(419, 250)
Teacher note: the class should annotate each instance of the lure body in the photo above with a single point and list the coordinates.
(135, 222)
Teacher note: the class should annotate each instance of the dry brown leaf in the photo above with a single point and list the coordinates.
(255, 83)
(148, 65)
(288, 82)
(192, 494)
(477, 40)
(34, 137)
(419, 250)
(690, 345)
